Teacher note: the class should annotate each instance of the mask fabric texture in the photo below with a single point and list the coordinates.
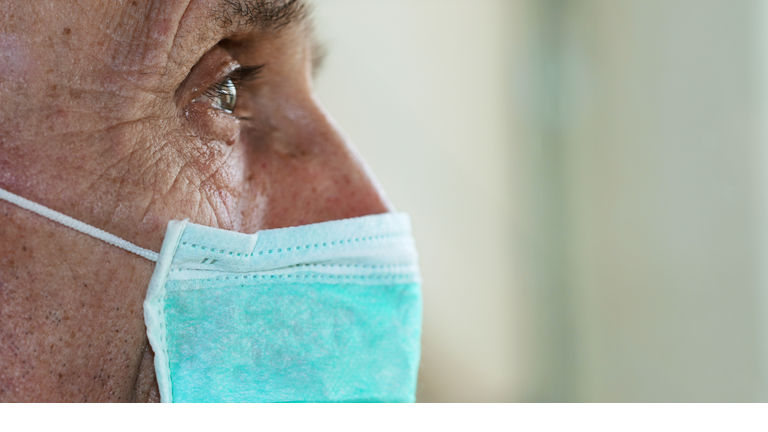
(329, 312)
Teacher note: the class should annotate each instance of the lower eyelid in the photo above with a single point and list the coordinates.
(211, 124)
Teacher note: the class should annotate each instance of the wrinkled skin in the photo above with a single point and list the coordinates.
(102, 119)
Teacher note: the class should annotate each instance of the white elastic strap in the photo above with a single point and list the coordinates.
(77, 225)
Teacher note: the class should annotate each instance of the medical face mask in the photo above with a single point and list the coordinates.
(328, 312)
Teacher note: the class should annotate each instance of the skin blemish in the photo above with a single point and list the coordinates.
(67, 31)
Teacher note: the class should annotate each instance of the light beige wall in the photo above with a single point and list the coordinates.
(662, 143)
(423, 87)
(588, 185)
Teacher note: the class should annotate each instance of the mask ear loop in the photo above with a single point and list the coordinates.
(77, 225)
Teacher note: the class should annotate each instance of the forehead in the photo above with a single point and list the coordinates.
(205, 22)
(159, 33)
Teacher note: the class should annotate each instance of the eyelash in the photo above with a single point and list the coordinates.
(239, 77)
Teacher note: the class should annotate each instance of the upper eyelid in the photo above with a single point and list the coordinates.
(244, 74)
(239, 76)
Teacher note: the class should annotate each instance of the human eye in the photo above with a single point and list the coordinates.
(223, 94)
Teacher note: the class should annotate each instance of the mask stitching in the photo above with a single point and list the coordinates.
(307, 277)
(292, 248)
(408, 278)
(356, 266)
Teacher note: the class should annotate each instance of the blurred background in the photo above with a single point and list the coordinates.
(588, 184)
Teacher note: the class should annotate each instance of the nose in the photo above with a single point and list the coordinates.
(305, 170)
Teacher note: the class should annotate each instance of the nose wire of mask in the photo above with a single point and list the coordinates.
(77, 225)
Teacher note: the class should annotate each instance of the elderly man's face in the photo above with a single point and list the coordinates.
(121, 114)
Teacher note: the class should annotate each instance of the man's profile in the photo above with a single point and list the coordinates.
(129, 114)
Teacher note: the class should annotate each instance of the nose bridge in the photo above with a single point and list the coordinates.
(312, 171)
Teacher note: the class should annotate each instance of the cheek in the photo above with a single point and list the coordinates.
(17, 65)
(192, 178)
(212, 182)
(23, 87)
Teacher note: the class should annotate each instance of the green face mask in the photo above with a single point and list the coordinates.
(329, 312)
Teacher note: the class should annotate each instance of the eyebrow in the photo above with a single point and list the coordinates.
(264, 15)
